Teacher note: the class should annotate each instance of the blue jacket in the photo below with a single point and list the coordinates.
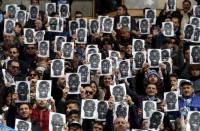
(194, 105)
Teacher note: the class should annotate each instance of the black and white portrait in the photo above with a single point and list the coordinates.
(171, 100)
(165, 55)
(118, 91)
(82, 22)
(9, 26)
(195, 21)
(154, 57)
(94, 26)
(196, 10)
(21, 17)
(50, 8)
(193, 119)
(73, 25)
(155, 120)
(84, 72)
(33, 11)
(100, 18)
(22, 88)
(64, 10)
(43, 49)
(144, 26)
(95, 61)
(107, 25)
(102, 109)
(56, 121)
(106, 67)
(170, 5)
(168, 29)
(114, 62)
(39, 35)
(148, 108)
(7, 77)
(138, 45)
(43, 89)
(121, 110)
(124, 69)
(168, 66)
(67, 50)
(115, 54)
(196, 35)
(53, 24)
(126, 22)
(58, 42)
(11, 10)
(139, 59)
(88, 108)
(188, 31)
(57, 68)
(21, 125)
(73, 82)
(81, 34)
(29, 36)
(91, 51)
(151, 15)
(195, 54)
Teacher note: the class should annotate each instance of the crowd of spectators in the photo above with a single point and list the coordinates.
(21, 61)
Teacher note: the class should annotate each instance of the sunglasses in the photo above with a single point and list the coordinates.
(89, 92)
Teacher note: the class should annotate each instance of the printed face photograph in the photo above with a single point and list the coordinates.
(81, 35)
(29, 34)
(195, 54)
(171, 4)
(194, 121)
(43, 89)
(125, 21)
(94, 60)
(165, 55)
(105, 66)
(151, 15)
(196, 9)
(94, 26)
(33, 12)
(43, 49)
(188, 31)
(53, 23)
(144, 26)
(12, 10)
(138, 45)
(73, 82)
(39, 36)
(119, 93)
(171, 100)
(23, 91)
(102, 108)
(50, 8)
(107, 25)
(154, 57)
(21, 17)
(64, 10)
(121, 110)
(149, 107)
(58, 67)
(59, 41)
(73, 26)
(155, 120)
(82, 22)
(9, 26)
(196, 35)
(139, 59)
(124, 69)
(56, 121)
(67, 50)
(21, 125)
(89, 108)
(84, 72)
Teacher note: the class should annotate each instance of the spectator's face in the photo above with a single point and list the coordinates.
(195, 72)
(33, 75)
(97, 127)
(107, 80)
(24, 111)
(129, 49)
(14, 68)
(187, 55)
(34, 2)
(120, 11)
(187, 90)
(151, 90)
(41, 103)
(8, 39)
(14, 53)
(173, 81)
(120, 121)
(186, 6)
(72, 106)
(94, 87)
(61, 82)
(73, 117)
(89, 93)
(38, 25)
(175, 22)
(31, 50)
(153, 79)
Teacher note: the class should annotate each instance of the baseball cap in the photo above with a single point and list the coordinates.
(75, 124)
(186, 82)
(152, 72)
